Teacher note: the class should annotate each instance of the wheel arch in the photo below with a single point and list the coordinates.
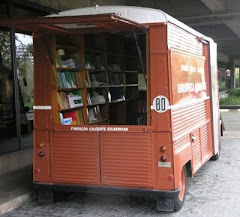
(181, 159)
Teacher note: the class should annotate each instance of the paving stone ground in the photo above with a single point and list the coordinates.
(214, 191)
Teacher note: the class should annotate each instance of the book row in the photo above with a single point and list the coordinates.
(75, 117)
(69, 100)
(69, 80)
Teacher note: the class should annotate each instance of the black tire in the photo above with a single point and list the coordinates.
(179, 200)
(215, 157)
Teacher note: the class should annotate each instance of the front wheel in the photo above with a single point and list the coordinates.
(178, 201)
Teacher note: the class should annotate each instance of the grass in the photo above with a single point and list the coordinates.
(232, 99)
(29, 104)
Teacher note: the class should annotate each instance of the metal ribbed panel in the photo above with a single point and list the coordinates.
(179, 144)
(188, 117)
(75, 158)
(196, 152)
(126, 159)
(183, 40)
(205, 143)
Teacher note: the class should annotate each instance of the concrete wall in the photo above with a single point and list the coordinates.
(16, 160)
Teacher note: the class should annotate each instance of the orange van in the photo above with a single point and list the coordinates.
(125, 102)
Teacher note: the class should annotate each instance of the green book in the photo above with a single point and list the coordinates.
(79, 80)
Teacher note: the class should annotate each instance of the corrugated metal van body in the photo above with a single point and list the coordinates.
(75, 158)
(191, 118)
(102, 158)
(126, 159)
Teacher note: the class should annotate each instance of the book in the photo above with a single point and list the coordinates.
(65, 120)
(141, 82)
(68, 79)
(94, 114)
(78, 79)
(91, 115)
(70, 115)
(97, 98)
(88, 80)
(63, 100)
(59, 54)
(75, 99)
(116, 67)
(75, 61)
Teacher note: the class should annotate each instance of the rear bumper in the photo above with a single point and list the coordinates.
(106, 190)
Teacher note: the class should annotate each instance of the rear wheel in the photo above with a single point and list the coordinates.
(178, 201)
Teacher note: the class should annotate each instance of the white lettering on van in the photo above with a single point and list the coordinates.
(187, 68)
(79, 128)
(98, 129)
(191, 87)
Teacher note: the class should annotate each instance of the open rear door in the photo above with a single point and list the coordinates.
(73, 24)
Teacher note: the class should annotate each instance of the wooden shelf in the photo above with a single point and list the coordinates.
(98, 121)
(116, 71)
(133, 99)
(130, 71)
(94, 87)
(96, 104)
(69, 69)
(94, 51)
(59, 46)
(106, 53)
(112, 86)
(68, 89)
(131, 85)
(117, 101)
(70, 109)
(91, 70)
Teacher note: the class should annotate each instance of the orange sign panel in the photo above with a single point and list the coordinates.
(188, 77)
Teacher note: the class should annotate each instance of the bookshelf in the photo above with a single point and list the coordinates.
(96, 82)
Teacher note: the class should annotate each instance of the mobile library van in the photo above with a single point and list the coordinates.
(125, 102)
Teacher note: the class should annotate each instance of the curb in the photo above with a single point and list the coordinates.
(231, 134)
(229, 106)
(16, 202)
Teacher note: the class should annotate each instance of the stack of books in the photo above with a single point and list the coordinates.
(70, 61)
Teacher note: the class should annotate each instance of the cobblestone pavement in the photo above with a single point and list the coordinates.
(215, 191)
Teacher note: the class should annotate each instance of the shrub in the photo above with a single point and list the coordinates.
(232, 99)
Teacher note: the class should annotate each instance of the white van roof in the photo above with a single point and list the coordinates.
(138, 14)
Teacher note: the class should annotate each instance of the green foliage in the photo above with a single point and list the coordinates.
(232, 99)
(222, 86)
(234, 93)
(29, 104)
(5, 48)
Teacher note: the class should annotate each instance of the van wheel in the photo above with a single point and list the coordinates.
(179, 200)
(215, 157)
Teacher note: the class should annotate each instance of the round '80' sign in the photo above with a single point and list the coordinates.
(160, 104)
